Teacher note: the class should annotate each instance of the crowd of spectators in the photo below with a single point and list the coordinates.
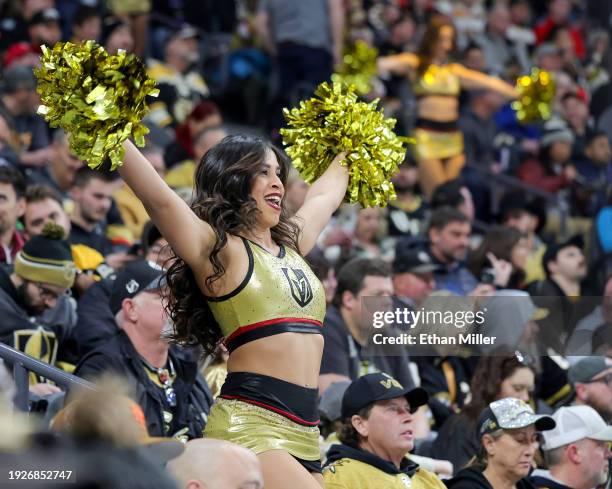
(524, 235)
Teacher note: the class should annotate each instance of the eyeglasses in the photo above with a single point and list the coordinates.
(606, 379)
(525, 439)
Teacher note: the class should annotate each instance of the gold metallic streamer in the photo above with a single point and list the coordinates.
(536, 94)
(334, 121)
(358, 67)
(98, 99)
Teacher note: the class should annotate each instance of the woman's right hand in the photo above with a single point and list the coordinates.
(502, 270)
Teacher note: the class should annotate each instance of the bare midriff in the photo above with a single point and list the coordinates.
(440, 108)
(292, 357)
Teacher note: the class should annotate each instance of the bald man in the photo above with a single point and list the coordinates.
(216, 464)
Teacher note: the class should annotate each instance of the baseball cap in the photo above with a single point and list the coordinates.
(509, 414)
(136, 277)
(575, 423)
(378, 387)
(44, 16)
(584, 370)
(186, 32)
(18, 78)
(413, 261)
(554, 249)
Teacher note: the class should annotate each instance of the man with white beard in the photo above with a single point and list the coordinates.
(577, 450)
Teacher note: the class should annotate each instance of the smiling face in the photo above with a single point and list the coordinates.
(268, 191)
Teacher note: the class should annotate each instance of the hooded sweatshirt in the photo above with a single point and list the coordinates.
(473, 478)
(352, 468)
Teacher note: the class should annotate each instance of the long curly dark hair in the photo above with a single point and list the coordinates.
(224, 178)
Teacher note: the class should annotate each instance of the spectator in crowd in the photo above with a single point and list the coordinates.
(305, 38)
(44, 205)
(9, 140)
(406, 215)
(498, 48)
(182, 176)
(92, 193)
(376, 435)
(591, 378)
(227, 466)
(594, 173)
(133, 213)
(204, 115)
(116, 35)
(576, 113)
(455, 194)
(577, 451)
(96, 322)
(565, 267)
(44, 28)
(12, 207)
(413, 277)
(553, 170)
(44, 271)
(295, 191)
(22, 54)
(559, 15)
(582, 341)
(448, 233)
(495, 377)
(501, 258)
(17, 98)
(366, 240)
(181, 85)
(86, 24)
(509, 436)
(348, 354)
(60, 173)
(171, 392)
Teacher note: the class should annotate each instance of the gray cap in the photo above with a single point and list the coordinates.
(575, 423)
(584, 370)
(511, 413)
(554, 130)
(18, 78)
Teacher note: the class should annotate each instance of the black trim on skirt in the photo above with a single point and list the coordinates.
(439, 126)
(299, 404)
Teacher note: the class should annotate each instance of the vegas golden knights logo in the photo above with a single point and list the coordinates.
(300, 286)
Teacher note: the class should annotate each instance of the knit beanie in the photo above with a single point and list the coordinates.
(47, 258)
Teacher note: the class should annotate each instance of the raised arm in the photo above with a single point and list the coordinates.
(398, 64)
(189, 236)
(472, 79)
(324, 196)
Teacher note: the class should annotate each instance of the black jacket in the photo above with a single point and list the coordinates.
(96, 322)
(193, 397)
(472, 478)
(456, 441)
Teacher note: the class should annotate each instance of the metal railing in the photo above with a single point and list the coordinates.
(22, 364)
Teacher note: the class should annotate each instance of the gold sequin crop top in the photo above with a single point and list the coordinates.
(280, 294)
(437, 80)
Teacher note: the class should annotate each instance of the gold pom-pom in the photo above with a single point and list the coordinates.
(335, 121)
(536, 94)
(53, 230)
(358, 67)
(98, 99)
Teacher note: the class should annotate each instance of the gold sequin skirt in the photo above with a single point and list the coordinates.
(437, 144)
(260, 429)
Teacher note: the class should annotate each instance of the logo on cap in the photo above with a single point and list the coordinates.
(389, 383)
(132, 286)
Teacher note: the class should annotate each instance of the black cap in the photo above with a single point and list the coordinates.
(186, 32)
(18, 78)
(109, 25)
(139, 276)
(378, 387)
(554, 249)
(409, 260)
(45, 16)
